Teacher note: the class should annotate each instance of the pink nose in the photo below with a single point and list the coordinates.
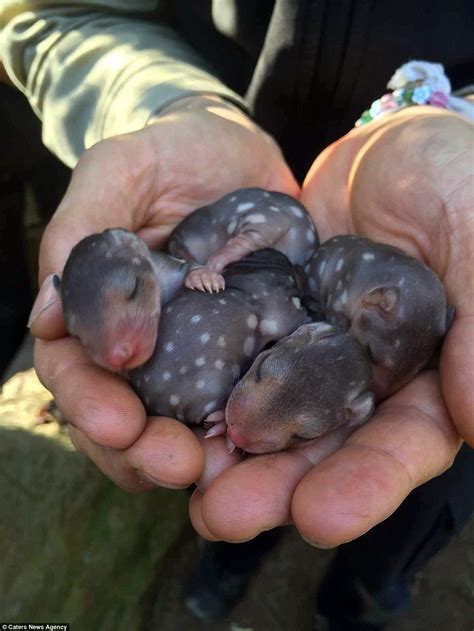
(120, 356)
(235, 436)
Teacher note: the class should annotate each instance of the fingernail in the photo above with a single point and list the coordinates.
(46, 297)
(317, 544)
(148, 478)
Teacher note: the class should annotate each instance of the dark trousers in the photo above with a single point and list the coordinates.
(369, 581)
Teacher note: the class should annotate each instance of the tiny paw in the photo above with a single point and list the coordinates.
(205, 279)
(215, 424)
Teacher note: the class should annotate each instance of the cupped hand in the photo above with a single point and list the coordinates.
(194, 152)
(407, 180)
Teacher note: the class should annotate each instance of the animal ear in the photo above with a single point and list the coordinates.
(450, 313)
(319, 330)
(384, 299)
(359, 410)
(57, 283)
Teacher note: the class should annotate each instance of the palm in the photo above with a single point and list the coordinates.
(384, 182)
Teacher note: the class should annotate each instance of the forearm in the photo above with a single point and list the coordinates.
(91, 74)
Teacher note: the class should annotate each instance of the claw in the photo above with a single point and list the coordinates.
(216, 430)
(205, 279)
(230, 444)
(213, 418)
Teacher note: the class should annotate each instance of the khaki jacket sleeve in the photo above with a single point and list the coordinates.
(92, 70)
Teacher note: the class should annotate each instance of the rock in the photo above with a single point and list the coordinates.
(74, 547)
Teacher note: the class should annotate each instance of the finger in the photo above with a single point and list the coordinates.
(409, 440)
(255, 495)
(196, 517)
(46, 319)
(216, 458)
(166, 454)
(111, 186)
(95, 401)
(457, 373)
(112, 463)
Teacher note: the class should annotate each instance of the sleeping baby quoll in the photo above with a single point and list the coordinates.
(392, 303)
(239, 223)
(307, 384)
(111, 290)
(388, 315)
(207, 341)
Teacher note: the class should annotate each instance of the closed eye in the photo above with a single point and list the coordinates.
(134, 292)
(258, 371)
(299, 439)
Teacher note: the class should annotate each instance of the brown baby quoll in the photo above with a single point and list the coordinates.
(392, 303)
(112, 289)
(309, 383)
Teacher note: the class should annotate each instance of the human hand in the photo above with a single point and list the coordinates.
(406, 180)
(194, 152)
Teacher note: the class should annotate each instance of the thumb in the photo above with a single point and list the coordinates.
(107, 189)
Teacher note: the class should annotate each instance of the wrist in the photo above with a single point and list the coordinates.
(197, 103)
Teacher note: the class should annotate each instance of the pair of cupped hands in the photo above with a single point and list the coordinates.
(406, 180)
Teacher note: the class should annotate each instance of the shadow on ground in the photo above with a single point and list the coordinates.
(280, 597)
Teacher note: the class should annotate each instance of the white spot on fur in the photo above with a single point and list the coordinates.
(344, 297)
(397, 343)
(233, 198)
(209, 407)
(166, 375)
(368, 256)
(174, 399)
(136, 260)
(232, 225)
(205, 337)
(219, 364)
(268, 327)
(196, 318)
(200, 383)
(169, 347)
(257, 218)
(241, 208)
(200, 361)
(296, 301)
(146, 378)
(249, 345)
(310, 236)
(183, 370)
(252, 321)
(339, 265)
(297, 211)
(322, 327)
(322, 267)
(401, 282)
(222, 301)
(275, 209)
(168, 310)
(221, 341)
